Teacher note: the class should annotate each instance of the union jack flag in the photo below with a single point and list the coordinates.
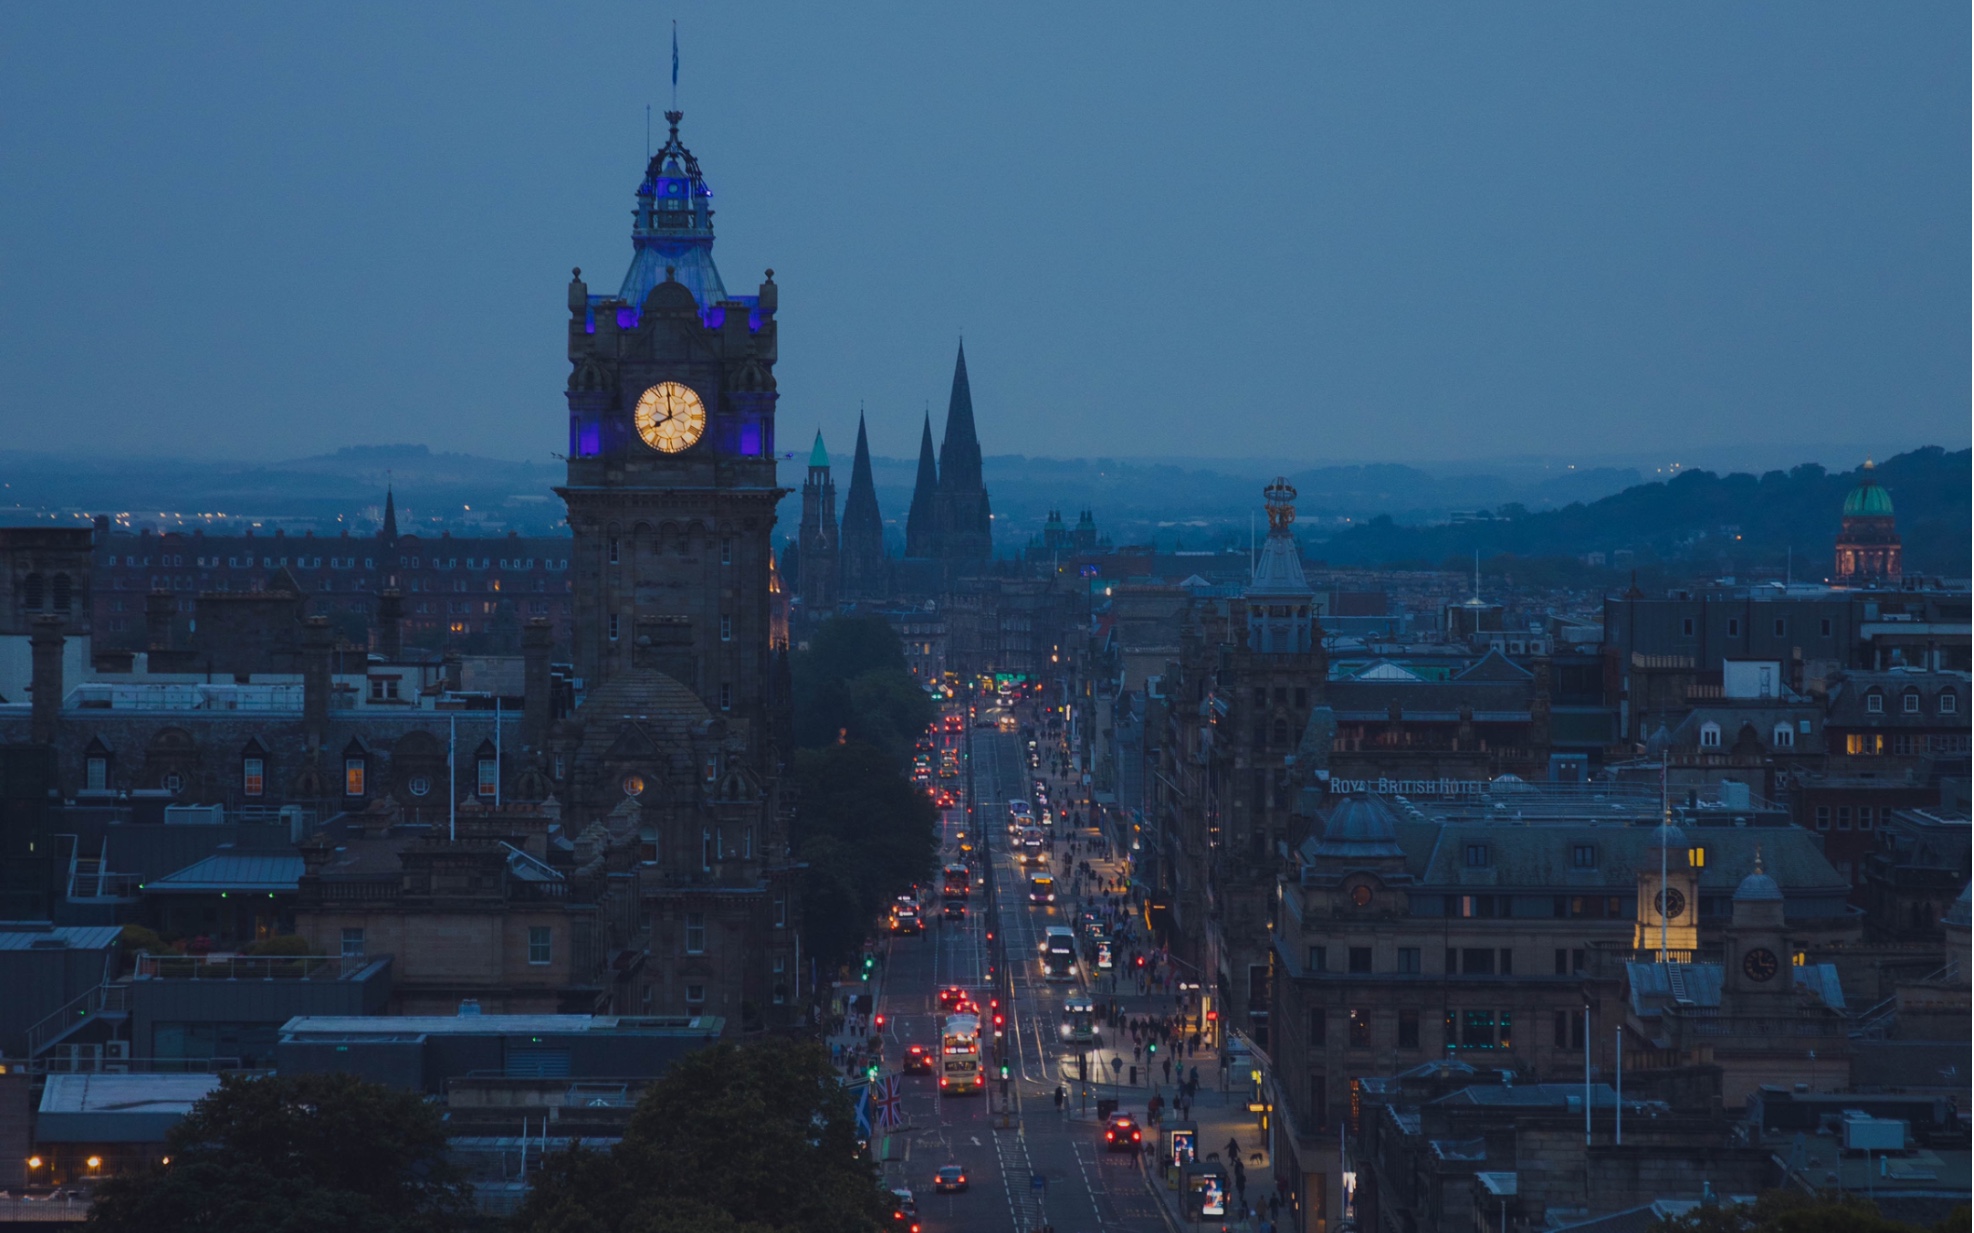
(889, 1100)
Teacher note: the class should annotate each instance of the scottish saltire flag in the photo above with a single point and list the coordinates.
(863, 1110)
(675, 55)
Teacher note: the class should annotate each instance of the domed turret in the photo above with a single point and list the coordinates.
(1868, 500)
(1868, 548)
(1758, 887)
(672, 228)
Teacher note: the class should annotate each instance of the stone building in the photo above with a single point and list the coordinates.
(1868, 549)
(815, 558)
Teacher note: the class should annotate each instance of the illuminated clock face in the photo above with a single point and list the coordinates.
(670, 417)
(1671, 903)
(1760, 964)
(1361, 896)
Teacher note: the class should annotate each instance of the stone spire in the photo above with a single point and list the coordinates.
(815, 575)
(861, 538)
(390, 532)
(921, 523)
(966, 527)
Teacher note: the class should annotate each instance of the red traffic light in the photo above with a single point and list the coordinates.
(879, 1021)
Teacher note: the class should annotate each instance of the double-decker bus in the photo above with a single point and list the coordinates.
(956, 882)
(959, 1055)
(1058, 954)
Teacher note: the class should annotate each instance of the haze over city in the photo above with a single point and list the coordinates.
(1330, 233)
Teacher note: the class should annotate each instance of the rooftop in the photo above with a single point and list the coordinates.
(401, 1026)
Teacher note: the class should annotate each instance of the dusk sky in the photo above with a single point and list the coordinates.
(1330, 233)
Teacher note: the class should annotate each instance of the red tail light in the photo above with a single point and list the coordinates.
(1110, 1134)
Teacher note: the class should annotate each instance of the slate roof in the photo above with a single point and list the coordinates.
(226, 871)
(74, 937)
(1650, 989)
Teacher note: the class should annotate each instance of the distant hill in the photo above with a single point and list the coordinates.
(1735, 523)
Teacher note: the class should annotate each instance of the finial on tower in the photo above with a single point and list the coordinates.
(1280, 496)
(672, 118)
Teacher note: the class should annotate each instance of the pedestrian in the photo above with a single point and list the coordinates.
(1134, 1076)
(1233, 1150)
(1168, 1069)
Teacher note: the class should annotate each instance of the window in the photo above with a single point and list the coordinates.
(695, 933)
(174, 782)
(540, 943)
(1360, 959)
(1301, 696)
(726, 552)
(1823, 817)
(695, 995)
(1874, 702)
(1948, 703)
(1734, 627)
(253, 776)
(419, 785)
(1910, 702)
(1686, 627)
(1696, 857)
(613, 550)
(726, 628)
(1472, 1029)
(1843, 817)
(1568, 1031)
(352, 776)
(1360, 1029)
(383, 689)
(1319, 1028)
(1583, 856)
(1477, 961)
(1476, 856)
(1408, 1029)
(488, 780)
(1408, 960)
(352, 943)
(613, 627)
(726, 696)
(1710, 735)
(1781, 628)
(1864, 817)
(781, 911)
(1784, 737)
(97, 773)
(1506, 963)
(1319, 959)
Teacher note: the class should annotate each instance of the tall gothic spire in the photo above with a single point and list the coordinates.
(959, 452)
(921, 525)
(390, 532)
(966, 527)
(861, 538)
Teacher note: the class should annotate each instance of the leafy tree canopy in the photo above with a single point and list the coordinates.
(866, 832)
(755, 1138)
(295, 1154)
(852, 684)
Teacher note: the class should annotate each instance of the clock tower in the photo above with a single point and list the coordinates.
(671, 484)
(1668, 897)
(1757, 968)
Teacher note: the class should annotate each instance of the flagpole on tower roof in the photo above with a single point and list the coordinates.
(675, 64)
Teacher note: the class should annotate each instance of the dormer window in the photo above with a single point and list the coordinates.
(1874, 702)
(1710, 735)
(1477, 856)
(1784, 737)
(1948, 703)
(1910, 702)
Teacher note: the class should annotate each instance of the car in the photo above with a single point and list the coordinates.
(953, 996)
(1121, 1133)
(904, 1212)
(950, 1179)
(918, 1060)
(906, 920)
(955, 909)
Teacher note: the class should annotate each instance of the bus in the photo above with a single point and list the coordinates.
(1079, 1020)
(1019, 816)
(956, 882)
(1041, 889)
(959, 1055)
(1058, 953)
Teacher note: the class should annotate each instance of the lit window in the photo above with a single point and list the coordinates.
(1696, 857)
(253, 776)
(353, 777)
(695, 933)
(540, 943)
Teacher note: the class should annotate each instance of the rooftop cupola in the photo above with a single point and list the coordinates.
(672, 226)
(1280, 603)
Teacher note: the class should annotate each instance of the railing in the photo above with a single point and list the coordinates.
(249, 967)
(52, 1027)
(63, 1208)
(60, 1064)
(343, 890)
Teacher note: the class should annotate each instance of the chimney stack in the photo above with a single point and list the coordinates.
(158, 606)
(390, 624)
(45, 643)
(317, 641)
(536, 638)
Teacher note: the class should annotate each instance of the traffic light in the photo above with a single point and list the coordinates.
(1151, 1047)
(879, 1021)
(1004, 1070)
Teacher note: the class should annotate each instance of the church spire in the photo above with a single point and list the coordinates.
(966, 527)
(861, 538)
(959, 452)
(390, 532)
(921, 532)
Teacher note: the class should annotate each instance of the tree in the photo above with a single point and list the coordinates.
(852, 684)
(755, 1138)
(295, 1154)
(866, 833)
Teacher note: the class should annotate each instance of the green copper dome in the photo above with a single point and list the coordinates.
(1868, 500)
